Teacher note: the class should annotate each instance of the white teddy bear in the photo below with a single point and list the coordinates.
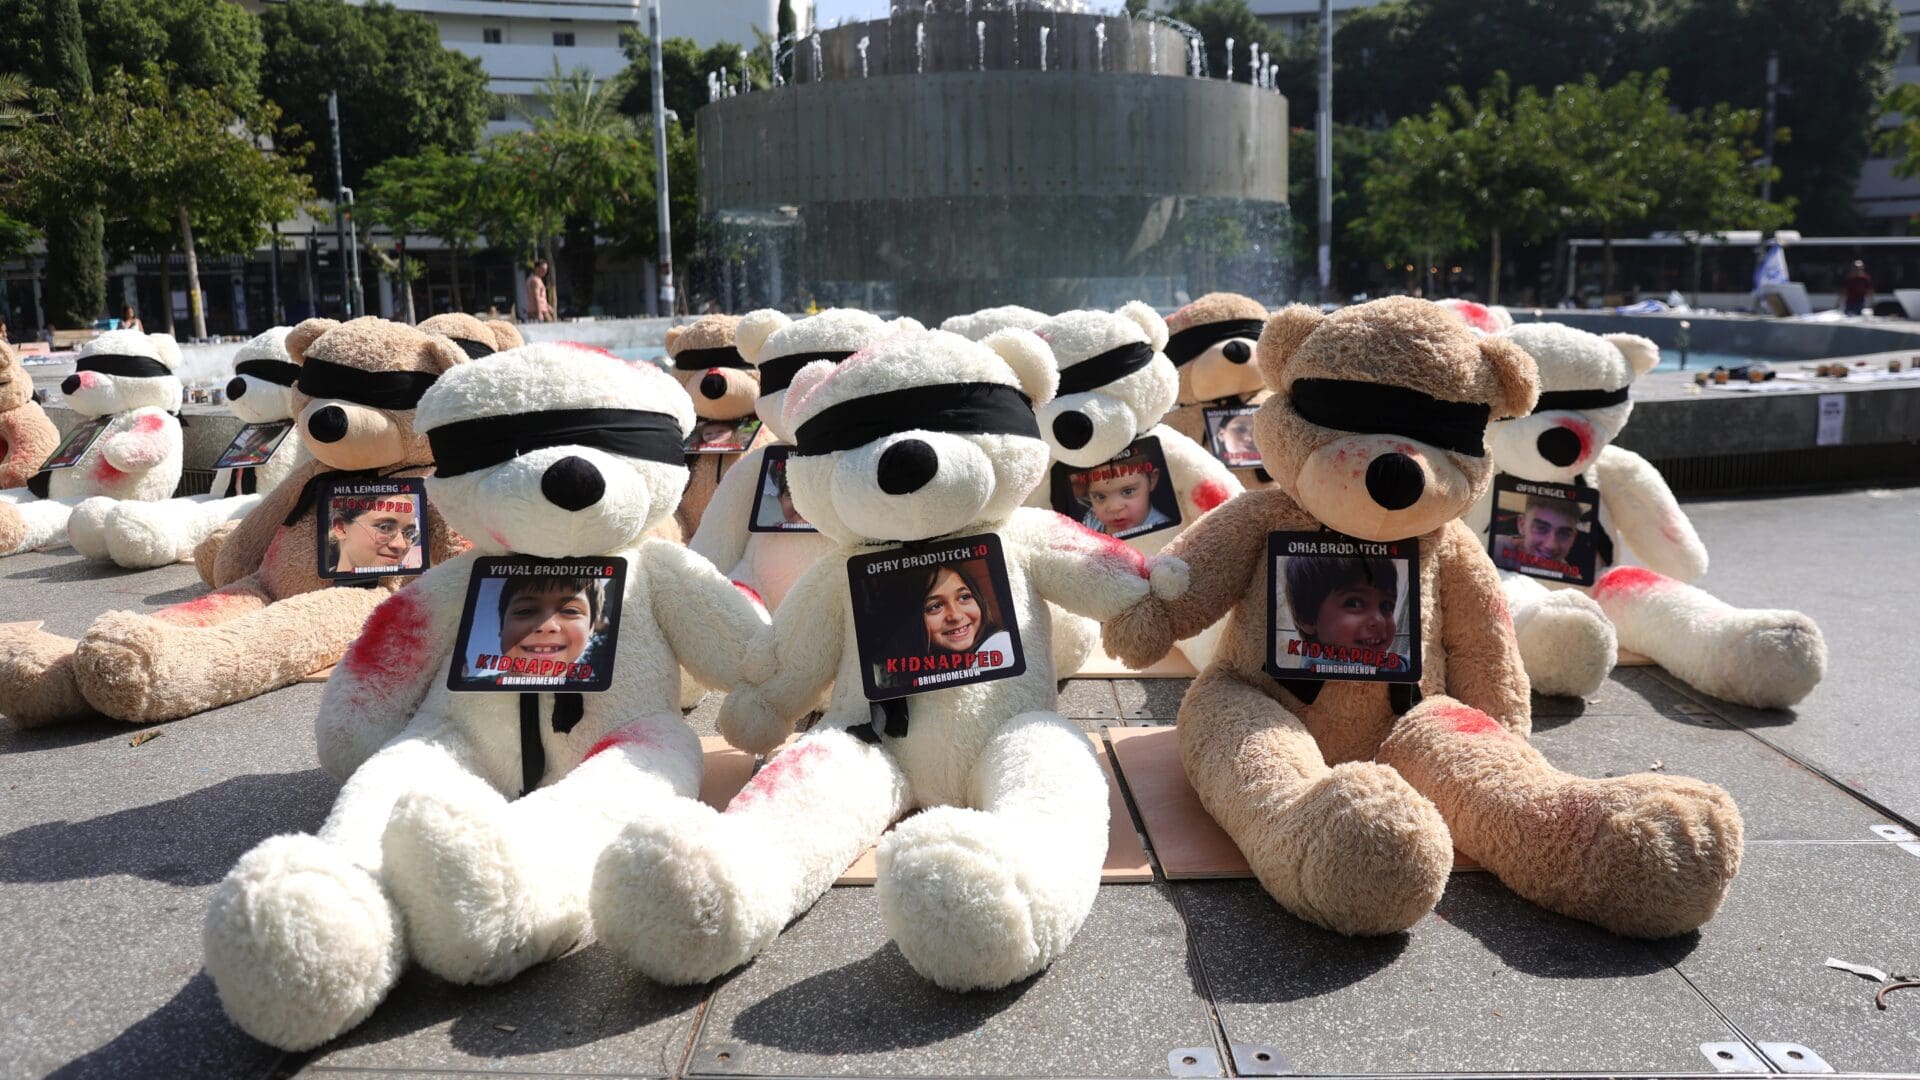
(988, 321)
(139, 535)
(128, 378)
(918, 441)
(1618, 504)
(547, 451)
(769, 562)
(1116, 386)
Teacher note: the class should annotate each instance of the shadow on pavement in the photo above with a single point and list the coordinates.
(1538, 942)
(188, 1036)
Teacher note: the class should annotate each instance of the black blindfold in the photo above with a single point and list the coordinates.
(957, 408)
(277, 372)
(129, 367)
(1366, 408)
(777, 374)
(1579, 399)
(1194, 340)
(701, 359)
(1108, 367)
(471, 445)
(374, 389)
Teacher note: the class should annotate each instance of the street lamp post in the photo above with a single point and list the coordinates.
(340, 203)
(660, 158)
(1323, 150)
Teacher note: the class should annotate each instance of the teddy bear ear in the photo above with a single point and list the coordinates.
(674, 334)
(168, 349)
(1519, 379)
(1031, 360)
(1641, 352)
(505, 335)
(805, 382)
(1279, 339)
(1148, 320)
(906, 324)
(751, 334)
(304, 335)
(441, 353)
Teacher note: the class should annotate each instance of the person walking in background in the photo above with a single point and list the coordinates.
(538, 307)
(130, 320)
(1856, 289)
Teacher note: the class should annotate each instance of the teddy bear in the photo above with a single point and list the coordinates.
(1346, 786)
(125, 378)
(272, 619)
(140, 535)
(913, 456)
(26, 435)
(770, 558)
(1486, 318)
(468, 823)
(1210, 342)
(723, 386)
(986, 321)
(476, 337)
(1577, 496)
(1116, 386)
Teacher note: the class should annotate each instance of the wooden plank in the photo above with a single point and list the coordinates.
(723, 772)
(1628, 658)
(1171, 666)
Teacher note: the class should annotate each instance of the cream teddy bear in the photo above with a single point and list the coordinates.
(988, 321)
(465, 833)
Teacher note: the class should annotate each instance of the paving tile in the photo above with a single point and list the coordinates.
(1488, 983)
(833, 997)
(1762, 960)
(1088, 699)
(1150, 699)
(1628, 691)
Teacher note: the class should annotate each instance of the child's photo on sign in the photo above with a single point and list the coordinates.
(539, 624)
(1544, 530)
(75, 445)
(1230, 436)
(934, 616)
(1129, 496)
(373, 527)
(723, 436)
(773, 509)
(1343, 608)
(253, 445)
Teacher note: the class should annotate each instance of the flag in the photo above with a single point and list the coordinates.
(1772, 269)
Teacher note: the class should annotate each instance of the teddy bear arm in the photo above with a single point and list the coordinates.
(1222, 552)
(1483, 666)
(721, 538)
(708, 621)
(1648, 517)
(794, 661)
(144, 443)
(29, 437)
(1202, 480)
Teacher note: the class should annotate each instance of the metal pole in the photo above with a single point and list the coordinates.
(1323, 150)
(353, 255)
(273, 281)
(660, 158)
(1773, 90)
(340, 203)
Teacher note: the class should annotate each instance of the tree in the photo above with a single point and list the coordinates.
(1219, 20)
(76, 264)
(212, 44)
(433, 193)
(1355, 150)
(685, 66)
(400, 91)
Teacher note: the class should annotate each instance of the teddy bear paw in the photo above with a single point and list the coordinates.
(675, 894)
(123, 667)
(749, 723)
(87, 526)
(1168, 576)
(1567, 644)
(13, 529)
(140, 536)
(1772, 661)
(301, 943)
(1661, 855)
(37, 684)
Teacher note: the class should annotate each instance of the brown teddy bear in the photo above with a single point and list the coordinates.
(723, 387)
(272, 618)
(26, 435)
(1211, 342)
(476, 337)
(1348, 797)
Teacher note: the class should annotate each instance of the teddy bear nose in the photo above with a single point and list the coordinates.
(236, 387)
(329, 425)
(69, 384)
(906, 466)
(714, 386)
(572, 483)
(1395, 481)
(1072, 430)
(1559, 446)
(1236, 352)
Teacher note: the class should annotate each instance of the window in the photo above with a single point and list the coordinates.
(563, 39)
(490, 35)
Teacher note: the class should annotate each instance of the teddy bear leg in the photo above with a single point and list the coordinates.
(141, 669)
(980, 898)
(206, 554)
(1353, 848)
(491, 887)
(87, 526)
(1200, 648)
(16, 495)
(30, 526)
(1647, 855)
(1749, 656)
(686, 894)
(37, 684)
(301, 939)
(1074, 639)
(141, 535)
(1566, 643)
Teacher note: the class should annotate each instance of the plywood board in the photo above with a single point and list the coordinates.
(1171, 666)
(1628, 658)
(723, 772)
(1189, 845)
(319, 676)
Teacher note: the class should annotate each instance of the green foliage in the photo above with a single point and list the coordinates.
(433, 193)
(400, 91)
(1901, 142)
(76, 264)
(1218, 20)
(684, 71)
(212, 44)
(1355, 150)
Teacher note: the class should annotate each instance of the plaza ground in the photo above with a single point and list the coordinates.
(109, 851)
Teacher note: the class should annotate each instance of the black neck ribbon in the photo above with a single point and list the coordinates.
(725, 356)
(568, 708)
(474, 347)
(957, 408)
(398, 390)
(1108, 367)
(1367, 408)
(471, 445)
(1554, 400)
(123, 365)
(1401, 697)
(1184, 346)
(777, 374)
(277, 372)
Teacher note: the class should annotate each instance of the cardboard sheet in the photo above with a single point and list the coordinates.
(1171, 666)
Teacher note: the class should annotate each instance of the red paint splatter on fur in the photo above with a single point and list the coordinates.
(1629, 581)
(393, 645)
(104, 473)
(203, 611)
(499, 539)
(1209, 494)
(148, 424)
(273, 547)
(633, 735)
(1465, 720)
(748, 591)
(88, 380)
(1584, 432)
(789, 766)
(1074, 536)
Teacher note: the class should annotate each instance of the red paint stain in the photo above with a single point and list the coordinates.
(203, 611)
(1209, 494)
(789, 767)
(1073, 536)
(273, 547)
(148, 424)
(88, 380)
(748, 591)
(1629, 581)
(499, 539)
(105, 474)
(633, 735)
(392, 646)
(1465, 720)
